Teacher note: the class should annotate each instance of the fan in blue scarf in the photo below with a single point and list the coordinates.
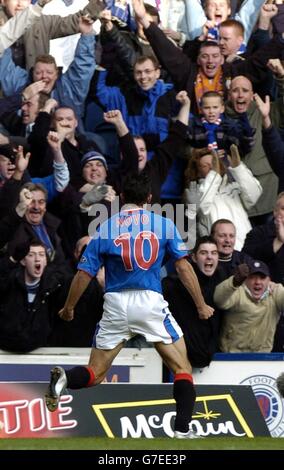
(211, 128)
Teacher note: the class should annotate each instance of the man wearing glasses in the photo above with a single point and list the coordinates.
(146, 104)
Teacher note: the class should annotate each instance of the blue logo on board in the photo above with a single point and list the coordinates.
(269, 401)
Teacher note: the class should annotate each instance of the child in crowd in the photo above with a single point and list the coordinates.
(215, 130)
(209, 14)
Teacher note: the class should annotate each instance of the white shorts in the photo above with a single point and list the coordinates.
(133, 312)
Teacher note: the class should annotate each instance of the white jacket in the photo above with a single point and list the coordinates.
(216, 198)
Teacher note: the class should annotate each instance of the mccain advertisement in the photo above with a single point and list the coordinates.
(127, 410)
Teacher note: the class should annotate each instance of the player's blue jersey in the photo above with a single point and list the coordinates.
(132, 245)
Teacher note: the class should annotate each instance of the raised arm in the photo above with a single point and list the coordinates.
(115, 117)
(170, 57)
(76, 80)
(18, 24)
(129, 162)
(61, 173)
(126, 54)
(183, 99)
(255, 66)
(271, 140)
(250, 188)
(174, 145)
(58, 26)
(194, 19)
(248, 14)
(13, 77)
(78, 286)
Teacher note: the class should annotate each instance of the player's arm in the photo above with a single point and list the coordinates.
(78, 286)
(190, 282)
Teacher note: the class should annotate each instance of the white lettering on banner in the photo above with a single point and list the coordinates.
(145, 425)
(142, 427)
(16, 412)
(36, 410)
(12, 415)
(222, 428)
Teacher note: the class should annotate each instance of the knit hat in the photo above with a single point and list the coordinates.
(92, 155)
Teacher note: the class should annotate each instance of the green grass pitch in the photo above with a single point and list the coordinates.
(99, 443)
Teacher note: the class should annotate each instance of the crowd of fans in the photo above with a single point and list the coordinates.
(188, 91)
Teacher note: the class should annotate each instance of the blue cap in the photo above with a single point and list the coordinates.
(92, 155)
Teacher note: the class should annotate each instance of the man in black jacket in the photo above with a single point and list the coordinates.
(201, 333)
(31, 293)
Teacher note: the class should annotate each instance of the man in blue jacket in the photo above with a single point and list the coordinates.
(146, 107)
(69, 89)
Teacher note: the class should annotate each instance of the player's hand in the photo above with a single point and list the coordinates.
(66, 314)
(205, 312)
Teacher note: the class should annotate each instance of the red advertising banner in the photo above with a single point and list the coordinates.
(127, 410)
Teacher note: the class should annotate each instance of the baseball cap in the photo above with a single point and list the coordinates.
(92, 155)
(259, 267)
(7, 151)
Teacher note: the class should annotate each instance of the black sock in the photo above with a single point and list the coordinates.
(184, 395)
(78, 377)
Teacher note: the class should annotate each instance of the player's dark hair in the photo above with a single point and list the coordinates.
(136, 188)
